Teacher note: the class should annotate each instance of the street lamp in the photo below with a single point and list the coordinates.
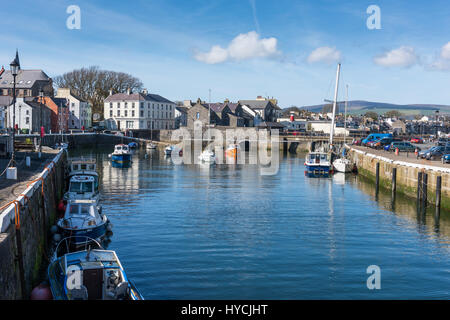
(15, 67)
(41, 99)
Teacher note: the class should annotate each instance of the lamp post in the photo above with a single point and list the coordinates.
(15, 67)
(41, 99)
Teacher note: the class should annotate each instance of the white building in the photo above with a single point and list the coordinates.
(28, 114)
(80, 111)
(140, 111)
(325, 127)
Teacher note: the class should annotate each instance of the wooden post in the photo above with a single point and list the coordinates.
(438, 196)
(419, 186)
(394, 181)
(425, 189)
(377, 177)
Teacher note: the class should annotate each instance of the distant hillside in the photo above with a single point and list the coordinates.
(361, 107)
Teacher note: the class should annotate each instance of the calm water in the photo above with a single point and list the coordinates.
(225, 232)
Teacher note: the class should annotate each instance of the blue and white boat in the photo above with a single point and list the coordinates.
(83, 187)
(83, 218)
(121, 155)
(89, 274)
(318, 163)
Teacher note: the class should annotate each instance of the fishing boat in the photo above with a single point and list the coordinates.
(83, 218)
(207, 156)
(318, 163)
(121, 155)
(92, 273)
(82, 187)
(83, 167)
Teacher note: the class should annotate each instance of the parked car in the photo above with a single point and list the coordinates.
(437, 153)
(423, 154)
(381, 143)
(416, 140)
(375, 136)
(401, 145)
(445, 158)
(442, 141)
(357, 142)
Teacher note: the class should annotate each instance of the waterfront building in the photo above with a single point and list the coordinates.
(180, 116)
(140, 111)
(28, 113)
(28, 83)
(262, 109)
(59, 113)
(80, 110)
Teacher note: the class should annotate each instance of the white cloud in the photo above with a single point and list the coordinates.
(244, 46)
(401, 57)
(442, 62)
(325, 54)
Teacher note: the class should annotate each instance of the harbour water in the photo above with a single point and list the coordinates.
(226, 232)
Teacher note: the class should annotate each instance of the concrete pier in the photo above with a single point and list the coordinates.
(407, 174)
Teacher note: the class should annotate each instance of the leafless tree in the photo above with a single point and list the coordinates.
(93, 84)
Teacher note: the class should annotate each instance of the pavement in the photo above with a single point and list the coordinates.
(11, 189)
(404, 156)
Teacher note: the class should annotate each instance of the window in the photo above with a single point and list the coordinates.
(110, 113)
(198, 115)
(73, 104)
(118, 113)
(118, 104)
(126, 113)
(27, 120)
(132, 113)
(110, 105)
(126, 105)
(132, 105)
(129, 124)
(142, 113)
(142, 104)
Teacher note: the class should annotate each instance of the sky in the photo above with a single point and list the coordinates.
(241, 49)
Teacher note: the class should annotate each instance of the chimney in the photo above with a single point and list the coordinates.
(144, 91)
(110, 92)
(128, 91)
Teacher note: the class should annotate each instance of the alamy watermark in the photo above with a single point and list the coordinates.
(263, 146)
(74, 20)
(374, 20)
(374, 280)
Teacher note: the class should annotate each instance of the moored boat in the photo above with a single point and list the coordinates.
(121, 155)
(83, 218)
(343, 165)
(92, 273)
(207, 156)
(83, 187)
(318, 163)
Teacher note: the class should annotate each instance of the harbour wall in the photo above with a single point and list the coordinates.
(24, 231)
(407, 175)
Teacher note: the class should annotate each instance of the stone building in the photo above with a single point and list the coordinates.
(28, 83)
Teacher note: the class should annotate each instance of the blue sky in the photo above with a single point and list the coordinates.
(285, 49)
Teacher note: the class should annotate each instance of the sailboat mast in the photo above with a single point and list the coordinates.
(334, 103)
(345, 114)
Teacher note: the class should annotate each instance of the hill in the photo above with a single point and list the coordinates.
(361, 107)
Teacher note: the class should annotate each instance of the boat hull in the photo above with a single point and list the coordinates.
(121, 158)
(318, 169)
(79, 236)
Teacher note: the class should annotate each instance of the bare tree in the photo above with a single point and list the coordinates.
(93, 84)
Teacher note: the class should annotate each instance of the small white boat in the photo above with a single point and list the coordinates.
(151, 146)
(207, 156)
(83, 187)
(318, 163)
(342, 165)
(168, 150)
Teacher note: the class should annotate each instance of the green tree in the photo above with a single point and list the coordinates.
(393, 114)
(372, 115)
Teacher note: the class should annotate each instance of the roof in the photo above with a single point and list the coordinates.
(255, 104)
(125, 97)
(270, 125)
(24, 80)
(182, 109)
(216, 107)
(157, 98)
(5, 101)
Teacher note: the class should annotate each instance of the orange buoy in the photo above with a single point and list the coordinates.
(42, 292)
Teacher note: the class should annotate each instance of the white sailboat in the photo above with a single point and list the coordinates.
(343, 164)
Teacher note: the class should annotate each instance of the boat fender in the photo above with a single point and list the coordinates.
(54, 229)
(41, 292)
(57, 237)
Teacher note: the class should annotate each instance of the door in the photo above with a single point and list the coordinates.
(93, 281)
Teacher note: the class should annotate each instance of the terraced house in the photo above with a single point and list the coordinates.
(139, 111)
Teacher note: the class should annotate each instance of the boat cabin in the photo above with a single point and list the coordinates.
(121, 148)
(81, 214)
(82, 187)
(99, 273)
(318, 158)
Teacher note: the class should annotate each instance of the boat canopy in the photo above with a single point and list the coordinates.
(81, 214)
(82, 184)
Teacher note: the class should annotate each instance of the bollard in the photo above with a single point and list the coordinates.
(438, 196)
(394, 181)
(377, 177)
